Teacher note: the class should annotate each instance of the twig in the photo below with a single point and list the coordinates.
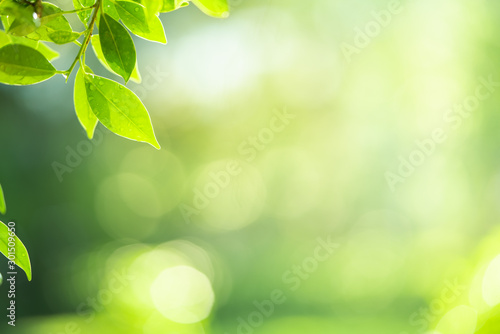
(86, 41)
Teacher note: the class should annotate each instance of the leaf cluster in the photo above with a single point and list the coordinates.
(26, 58)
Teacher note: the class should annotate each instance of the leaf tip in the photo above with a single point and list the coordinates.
(3, 205)
(155, 145)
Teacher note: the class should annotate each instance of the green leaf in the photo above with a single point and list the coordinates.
(22, 65)
(96, 46)
(22, 259)
(39, 46)
(156, 31)
(85, 115)
(5, 22)
(153, 7)
(108, 7)
(11, 7)
(5, 38)
(17, 18)
(119, 109)
(117, 46)
(84, 16)
(21, 27)
(215, 8)
(135, 17)
(3, 206)
(44, 49)
(55, 28)
(62, 37)
(170, 5)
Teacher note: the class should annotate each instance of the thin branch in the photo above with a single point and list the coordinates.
(38, 8)
(86, 41)
(69, 12)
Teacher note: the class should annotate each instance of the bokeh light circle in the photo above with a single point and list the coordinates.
(182, 294)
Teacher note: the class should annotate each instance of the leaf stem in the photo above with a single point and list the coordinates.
(70, 11)
(77, 10)
(88, 35)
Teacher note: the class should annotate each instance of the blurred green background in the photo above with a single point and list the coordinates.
(128, 239)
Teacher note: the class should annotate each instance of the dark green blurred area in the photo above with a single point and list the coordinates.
(418, 257)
